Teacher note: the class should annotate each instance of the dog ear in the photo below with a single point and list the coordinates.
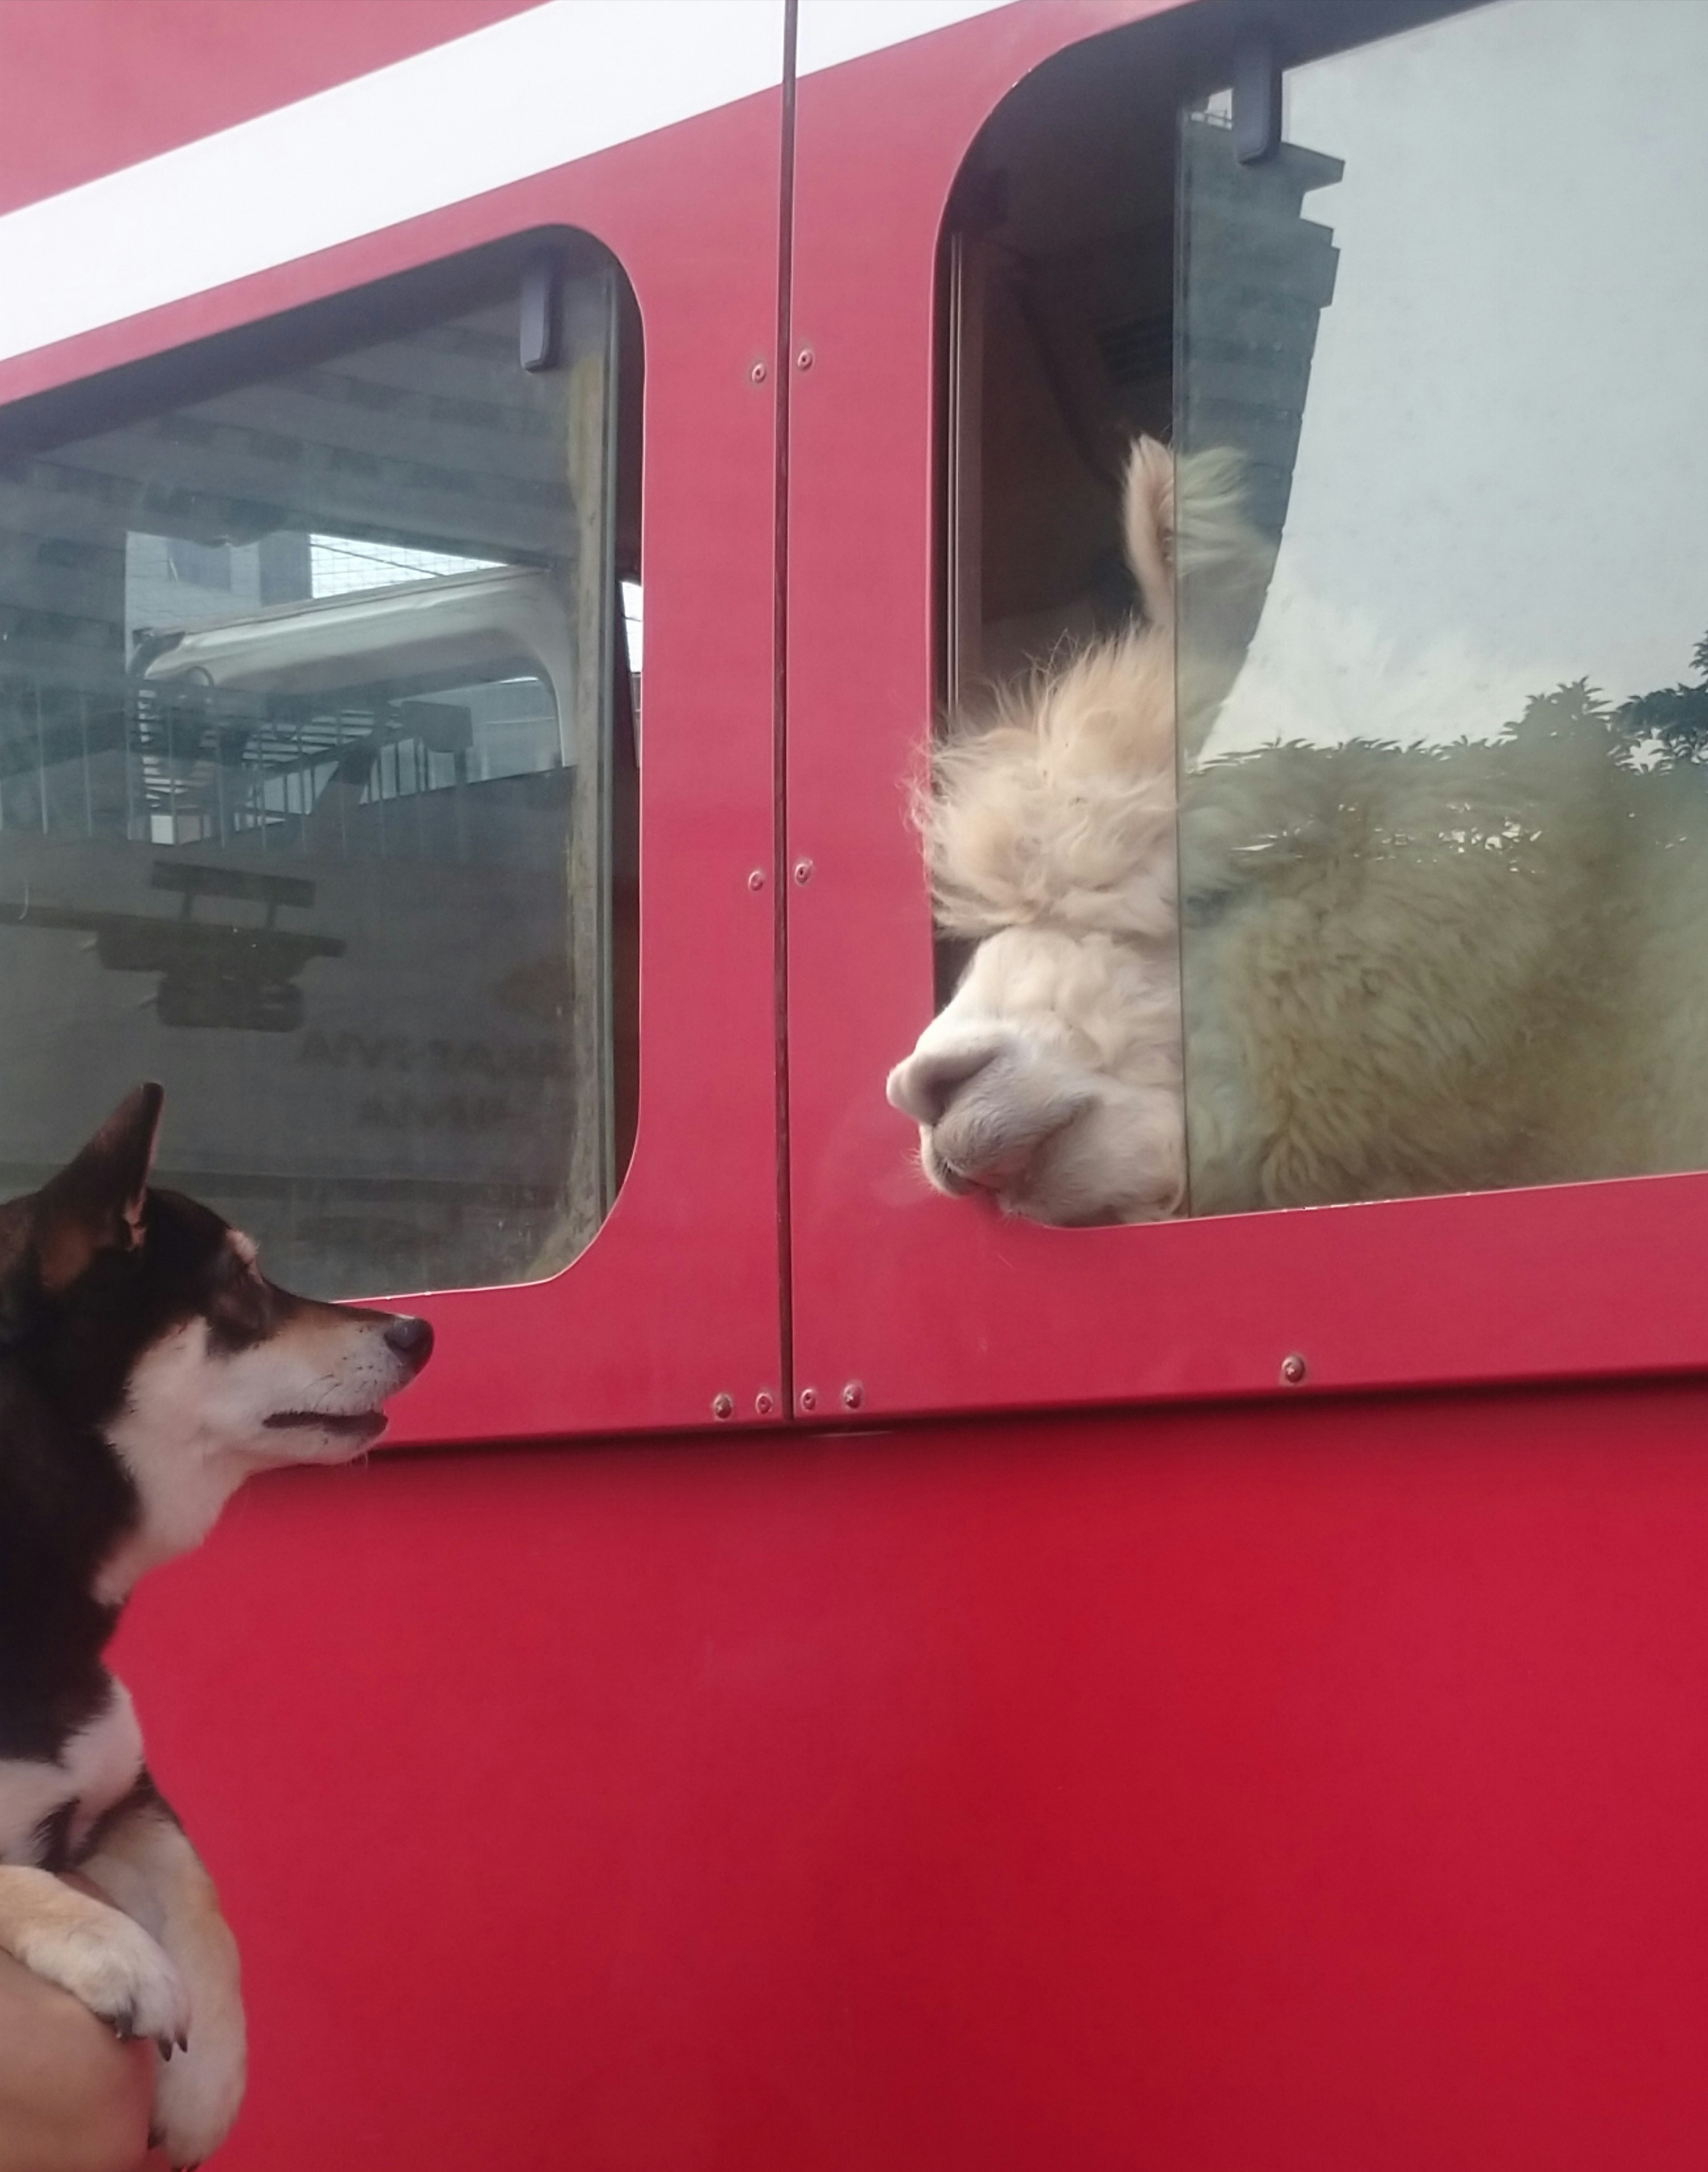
(95, 1204)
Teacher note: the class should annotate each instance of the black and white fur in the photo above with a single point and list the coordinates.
(147, 1368)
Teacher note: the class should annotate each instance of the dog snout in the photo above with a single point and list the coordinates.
(410, 1338)
(923, 1086)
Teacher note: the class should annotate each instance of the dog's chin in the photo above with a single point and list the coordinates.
(324, 1436)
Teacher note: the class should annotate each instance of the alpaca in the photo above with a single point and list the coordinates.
(1053, 1077)
(1406, 970)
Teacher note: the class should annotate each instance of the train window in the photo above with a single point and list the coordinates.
(1425, 353)
(314, 734)
(1442, 839)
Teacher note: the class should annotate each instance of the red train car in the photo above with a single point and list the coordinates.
(492, 495)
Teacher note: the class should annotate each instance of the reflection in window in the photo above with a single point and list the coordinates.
(1439, 625)
(306, 727)
(1444, 892)
(337, 564)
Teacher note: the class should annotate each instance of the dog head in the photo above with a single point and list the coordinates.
(142, 1316)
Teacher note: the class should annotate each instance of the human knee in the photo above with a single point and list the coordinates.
(111, 2134)
(72, 2098)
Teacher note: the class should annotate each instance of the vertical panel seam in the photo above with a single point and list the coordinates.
(782, 889)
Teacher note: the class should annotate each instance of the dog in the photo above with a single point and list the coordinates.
(147, 1368)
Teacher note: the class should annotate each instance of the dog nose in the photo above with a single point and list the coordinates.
(924, 1084)
(412, 1338)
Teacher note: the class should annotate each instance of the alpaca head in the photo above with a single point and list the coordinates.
(1051, 1080)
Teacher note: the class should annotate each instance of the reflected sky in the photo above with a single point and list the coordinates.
(1502, 480)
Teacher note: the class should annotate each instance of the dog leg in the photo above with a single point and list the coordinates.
(92, 1951)
(143, 1858)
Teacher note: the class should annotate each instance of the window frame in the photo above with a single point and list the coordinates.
(670, 1318)
(904, 1302)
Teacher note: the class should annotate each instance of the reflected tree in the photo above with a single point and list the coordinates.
(1674, 719)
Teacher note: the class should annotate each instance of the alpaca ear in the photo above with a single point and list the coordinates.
(1148, 518)
(96, 1202)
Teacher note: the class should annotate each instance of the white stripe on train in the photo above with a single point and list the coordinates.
(537, 90)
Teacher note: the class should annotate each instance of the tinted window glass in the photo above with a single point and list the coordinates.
(306, 708)
(1442, 711)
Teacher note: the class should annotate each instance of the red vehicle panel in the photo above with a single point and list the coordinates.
(1307, 1787)
(925, 1304)
(85, 64)
(1055, 1743)
(681, 1281)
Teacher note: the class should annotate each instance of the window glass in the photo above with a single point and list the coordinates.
(1421, 379)
(1443, 655)
(306, 704)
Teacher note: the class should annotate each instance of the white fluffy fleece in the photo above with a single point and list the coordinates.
(1056, 804)
(1468, 963)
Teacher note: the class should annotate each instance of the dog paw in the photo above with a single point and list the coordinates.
(197, 2094)
(114, 1967)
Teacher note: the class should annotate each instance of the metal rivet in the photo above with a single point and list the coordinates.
(758, 372)
(803, 360)
(809, 1398)
(756, 879)
(1293, 1369)
(762, 1404)
(803, 871)
(853, 1396)
(723, 1406)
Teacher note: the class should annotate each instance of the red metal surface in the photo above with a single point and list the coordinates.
(676, 1300)
(1313, 1783)
(1298, 1787)
(113, 81)
(933, 1305)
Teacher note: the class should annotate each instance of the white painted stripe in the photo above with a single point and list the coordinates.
(517, 98)
(555, 84)
(830, 31)
(520, 96)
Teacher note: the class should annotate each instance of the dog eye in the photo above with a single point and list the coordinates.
(240, 1312)
(240, 1292)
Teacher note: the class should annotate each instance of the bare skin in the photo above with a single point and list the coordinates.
(72, 2098)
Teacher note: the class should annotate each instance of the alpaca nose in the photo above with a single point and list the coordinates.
(924, 1085)
(412, 1338)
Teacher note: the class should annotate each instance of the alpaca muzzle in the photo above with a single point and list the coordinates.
(985, 1108)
